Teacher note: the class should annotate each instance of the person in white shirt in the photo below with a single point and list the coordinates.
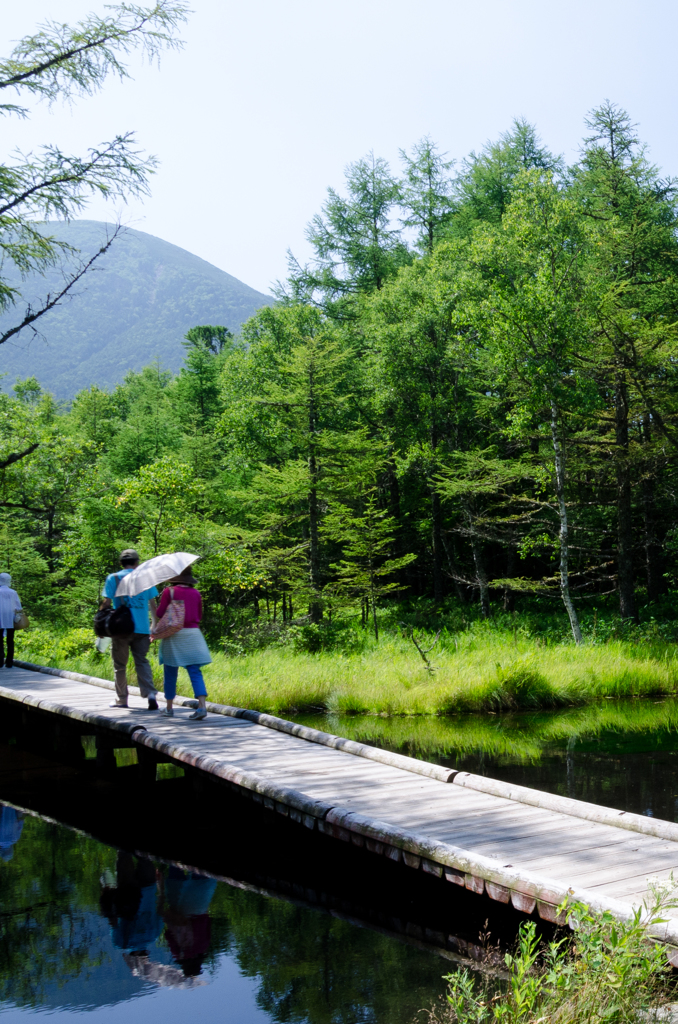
(10, 605)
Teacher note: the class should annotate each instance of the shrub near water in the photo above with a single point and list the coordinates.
(607, 971)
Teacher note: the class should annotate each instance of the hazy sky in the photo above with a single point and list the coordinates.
(270, 99)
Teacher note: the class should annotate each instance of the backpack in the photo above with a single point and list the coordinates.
(114, 621)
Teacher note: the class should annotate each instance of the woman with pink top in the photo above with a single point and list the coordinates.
(186, 648)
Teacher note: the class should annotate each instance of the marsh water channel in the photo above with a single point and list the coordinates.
(137, 898)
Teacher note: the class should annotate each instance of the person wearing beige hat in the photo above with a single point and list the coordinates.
(187, 648)
(139, 642)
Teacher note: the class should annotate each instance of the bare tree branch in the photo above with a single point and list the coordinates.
(53, 300)
(17, 456)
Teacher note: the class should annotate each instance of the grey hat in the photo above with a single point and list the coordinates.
(129, 555)
(5, 579)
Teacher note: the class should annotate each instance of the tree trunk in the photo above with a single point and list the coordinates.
(559, 458)
(315, 608)
(374, 617)
(625, 573)
(481, 576)
(50, 541)
(511, 565)
(437, 544)
(393, 489)
(453, 572)
(656, 584)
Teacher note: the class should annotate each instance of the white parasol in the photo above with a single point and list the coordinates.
(155, 570)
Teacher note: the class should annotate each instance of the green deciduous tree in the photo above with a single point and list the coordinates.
(147, 425)
(162, 496)
(534, 306)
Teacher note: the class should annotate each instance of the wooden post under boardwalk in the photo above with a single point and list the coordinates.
(512, 843)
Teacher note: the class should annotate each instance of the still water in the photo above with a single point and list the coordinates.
(222, 920)
(621, 754)
(88, 930)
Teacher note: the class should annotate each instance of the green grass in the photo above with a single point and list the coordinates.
(482, 669)
(493, 677)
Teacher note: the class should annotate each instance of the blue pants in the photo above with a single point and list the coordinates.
(194, 674)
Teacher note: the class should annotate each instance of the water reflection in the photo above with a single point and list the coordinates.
(11, 826)
(620, 754)
(84, 927)
(140, 903)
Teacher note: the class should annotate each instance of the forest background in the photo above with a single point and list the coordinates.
(457, 426)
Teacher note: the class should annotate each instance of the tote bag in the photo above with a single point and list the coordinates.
(20, 620)
(171, 622)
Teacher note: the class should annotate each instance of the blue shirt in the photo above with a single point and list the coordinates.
(144, 928)
(10, 831)
(138, 604)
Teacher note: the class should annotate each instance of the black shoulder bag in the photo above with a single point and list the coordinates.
(114, 621)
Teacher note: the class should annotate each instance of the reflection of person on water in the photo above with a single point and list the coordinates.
(131, 906)
(185, 910)
(11, 826)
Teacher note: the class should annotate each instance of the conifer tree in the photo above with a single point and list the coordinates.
(357, 248)
(366, 535)
(426, 194)
(305, 391)
(484, 187)
(635, 215)
(61, 61)
(534, 309)
(420, 388)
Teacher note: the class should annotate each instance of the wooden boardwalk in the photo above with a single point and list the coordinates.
(514, 844)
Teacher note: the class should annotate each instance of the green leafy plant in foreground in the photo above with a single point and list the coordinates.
(44, 645)
(608, 971)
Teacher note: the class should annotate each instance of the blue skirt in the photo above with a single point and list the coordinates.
(187, 647)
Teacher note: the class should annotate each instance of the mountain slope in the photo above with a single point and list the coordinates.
(134, 308)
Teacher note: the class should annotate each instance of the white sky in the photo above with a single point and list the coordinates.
(270, 99)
